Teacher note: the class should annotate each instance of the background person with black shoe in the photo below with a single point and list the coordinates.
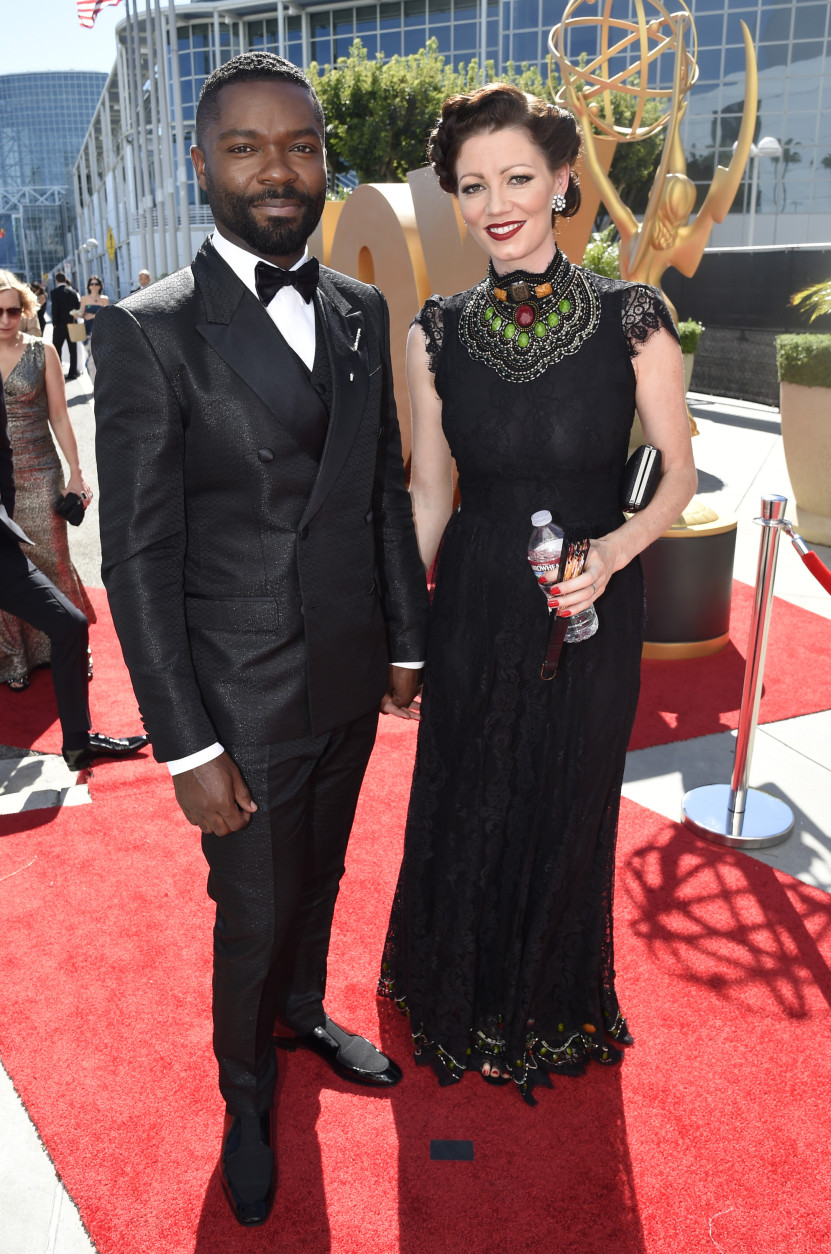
(263, 573)
(64, 300)
(26, 592)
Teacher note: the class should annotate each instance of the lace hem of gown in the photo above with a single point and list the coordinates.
(574, 1049)
(644, 313)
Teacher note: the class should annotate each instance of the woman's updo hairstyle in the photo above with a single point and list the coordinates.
(492, 108)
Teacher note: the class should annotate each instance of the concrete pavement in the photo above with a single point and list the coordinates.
(739, 454)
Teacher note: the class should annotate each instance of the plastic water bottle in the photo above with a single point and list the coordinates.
(545, 549)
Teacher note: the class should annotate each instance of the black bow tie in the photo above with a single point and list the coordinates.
(268, 280)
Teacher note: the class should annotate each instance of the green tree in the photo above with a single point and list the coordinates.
(379, 112)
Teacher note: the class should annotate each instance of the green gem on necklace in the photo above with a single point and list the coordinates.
(520, 334)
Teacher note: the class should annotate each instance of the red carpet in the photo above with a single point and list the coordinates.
(710, 1136)
(679, 700)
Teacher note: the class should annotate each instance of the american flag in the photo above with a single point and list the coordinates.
(88, 10)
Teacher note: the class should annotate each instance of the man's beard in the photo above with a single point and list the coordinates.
(272, 236)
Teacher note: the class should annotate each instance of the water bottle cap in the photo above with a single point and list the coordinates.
(541, 519)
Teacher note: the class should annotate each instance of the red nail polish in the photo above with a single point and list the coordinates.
(553, 603)
(565, 613)
(541, 579)
(555, 592)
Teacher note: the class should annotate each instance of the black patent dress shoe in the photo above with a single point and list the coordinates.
(247, 1167)
(352, 1057)
(100, 746)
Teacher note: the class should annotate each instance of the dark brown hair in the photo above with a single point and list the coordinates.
(492, 108)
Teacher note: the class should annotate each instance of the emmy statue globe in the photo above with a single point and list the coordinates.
(627, 63)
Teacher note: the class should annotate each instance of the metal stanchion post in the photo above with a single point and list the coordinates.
(735, 814)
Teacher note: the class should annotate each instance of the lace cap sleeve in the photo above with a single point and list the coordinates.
(431, 320)
(644, 313)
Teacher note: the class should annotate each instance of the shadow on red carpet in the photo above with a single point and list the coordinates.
(708, 1133)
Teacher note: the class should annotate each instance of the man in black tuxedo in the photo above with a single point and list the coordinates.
(26, 592)
(64, 299)
(263, 573)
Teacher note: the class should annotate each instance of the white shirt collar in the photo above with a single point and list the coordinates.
(242, 262)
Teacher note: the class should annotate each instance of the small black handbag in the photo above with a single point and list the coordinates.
(641, 477)
(70, 507)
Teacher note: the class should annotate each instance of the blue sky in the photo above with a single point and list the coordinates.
(46, 35)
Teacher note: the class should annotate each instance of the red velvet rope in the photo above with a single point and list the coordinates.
(817, 569)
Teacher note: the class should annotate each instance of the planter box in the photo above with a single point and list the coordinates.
(806, 435)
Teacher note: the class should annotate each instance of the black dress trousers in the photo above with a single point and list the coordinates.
(275, 884)
(27, 593)
(60, 336)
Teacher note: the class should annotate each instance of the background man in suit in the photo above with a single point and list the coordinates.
(26, 592)
(263, 573)
(64, 299)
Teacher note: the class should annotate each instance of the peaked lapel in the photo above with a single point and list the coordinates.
(344, 334)
(238, 328)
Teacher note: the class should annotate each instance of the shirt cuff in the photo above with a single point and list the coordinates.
(177, 765)
(408, 666)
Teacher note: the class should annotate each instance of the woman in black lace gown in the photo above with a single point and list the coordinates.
(500, 941)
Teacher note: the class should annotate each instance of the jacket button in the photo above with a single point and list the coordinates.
(320, 388)
(265, 455)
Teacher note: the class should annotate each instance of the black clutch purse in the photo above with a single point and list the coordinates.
(640, 478)
(70, 507)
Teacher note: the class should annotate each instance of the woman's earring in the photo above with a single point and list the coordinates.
(558, 202)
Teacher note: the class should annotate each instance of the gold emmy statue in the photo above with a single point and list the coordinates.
(628, 51)
(667, 236)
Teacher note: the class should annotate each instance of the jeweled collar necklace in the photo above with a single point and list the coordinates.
(520, 324)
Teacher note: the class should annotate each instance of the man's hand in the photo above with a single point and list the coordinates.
(404, 684)
(214, 796)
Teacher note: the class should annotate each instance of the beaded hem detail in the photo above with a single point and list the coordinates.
(569, 1055)
(521, 336)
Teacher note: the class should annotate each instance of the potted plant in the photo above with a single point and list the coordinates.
(804, 366)
(690, 333)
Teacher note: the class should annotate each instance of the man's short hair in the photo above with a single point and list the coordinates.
(60, 277)
(250, 67)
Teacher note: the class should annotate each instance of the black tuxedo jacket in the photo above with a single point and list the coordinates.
(64, 299)
(258, 593)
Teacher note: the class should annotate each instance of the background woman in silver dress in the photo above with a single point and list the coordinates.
(36, 401)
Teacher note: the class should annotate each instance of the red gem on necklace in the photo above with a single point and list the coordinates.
(525, 315)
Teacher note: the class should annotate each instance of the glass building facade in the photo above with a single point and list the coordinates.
(43, 121)
(130, 183)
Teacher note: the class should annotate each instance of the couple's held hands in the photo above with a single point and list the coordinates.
(399, 697)
(214, 796)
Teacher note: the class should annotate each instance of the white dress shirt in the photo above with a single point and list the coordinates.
(295, 320)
